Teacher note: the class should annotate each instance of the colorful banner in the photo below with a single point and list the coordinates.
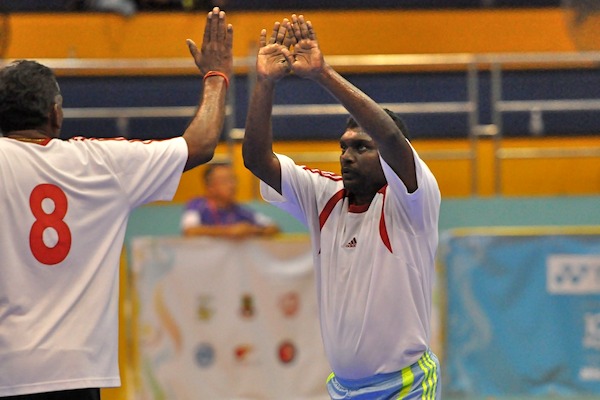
(223, 319)
(523, 312)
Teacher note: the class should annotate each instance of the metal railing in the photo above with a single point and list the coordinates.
(471, 64)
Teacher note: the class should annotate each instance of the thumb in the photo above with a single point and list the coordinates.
(192, 47)
(288, 55)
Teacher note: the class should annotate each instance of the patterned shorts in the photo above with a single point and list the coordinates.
(420, 381)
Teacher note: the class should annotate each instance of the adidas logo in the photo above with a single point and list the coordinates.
(351, 243)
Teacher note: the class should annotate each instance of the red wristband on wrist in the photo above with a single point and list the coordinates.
(217, 73)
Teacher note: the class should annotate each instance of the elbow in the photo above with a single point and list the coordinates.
(206, 155)
(250, 159)
(249, 163)
(198, 158)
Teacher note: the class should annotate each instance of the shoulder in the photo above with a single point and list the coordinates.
(124, 142)
(197, 203)
(291, 169)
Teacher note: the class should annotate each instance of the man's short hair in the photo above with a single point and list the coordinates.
(211, 167)
(28, 92)
(352, 124)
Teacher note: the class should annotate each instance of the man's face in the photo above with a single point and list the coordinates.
(361, 169)
(222, 184)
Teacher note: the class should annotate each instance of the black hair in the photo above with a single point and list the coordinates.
(28, 92)
(352, 124)
(211, 167)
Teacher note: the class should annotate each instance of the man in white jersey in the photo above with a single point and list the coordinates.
(373, 229)
(64, 207)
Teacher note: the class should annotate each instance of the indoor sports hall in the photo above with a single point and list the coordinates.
(502, 102)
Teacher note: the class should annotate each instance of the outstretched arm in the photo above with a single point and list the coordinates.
(202, 134)
(271, 66)
(392, 145)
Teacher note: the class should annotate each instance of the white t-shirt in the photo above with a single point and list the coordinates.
(64, 207)
(374, 265)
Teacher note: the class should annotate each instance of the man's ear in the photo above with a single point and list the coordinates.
(56, 117)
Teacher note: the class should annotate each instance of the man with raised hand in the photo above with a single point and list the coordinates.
(65, 206)
(373, 229)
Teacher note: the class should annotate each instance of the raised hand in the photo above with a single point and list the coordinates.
(307, 57)
(216, 51)
(274, 58)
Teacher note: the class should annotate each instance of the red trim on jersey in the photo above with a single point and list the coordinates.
(357, 209)
(382, 228)
(325, 174)
(118, 139)
(40, 141)
(326, 212)
(329, 206)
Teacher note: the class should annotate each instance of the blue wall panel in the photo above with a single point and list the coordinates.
(170, 91)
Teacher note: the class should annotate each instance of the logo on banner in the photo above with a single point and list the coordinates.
(289, 303)
(592, 331)
(247, 306)
(589, 374)
(205, 355)
(573, 274)
(243, 352)
(204, 311)
(287, 352)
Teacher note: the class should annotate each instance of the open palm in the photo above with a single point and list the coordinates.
(307, 56)
(271, 62)
(308, 59)
(274, 59)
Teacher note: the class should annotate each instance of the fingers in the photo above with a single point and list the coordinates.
(290, 39)
(282, 33)
(214, 23)
(192, 47)
(222, 27)
(296, 28)
(216, 28)
(263, 38)
(276, 27)
(217, 43)
(303, 27)
(229, 38)
(207, 27)
(311, 32)
(279, 33)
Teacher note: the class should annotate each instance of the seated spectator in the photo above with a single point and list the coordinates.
(218, 214)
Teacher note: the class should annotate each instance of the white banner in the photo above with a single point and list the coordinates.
(221, 319)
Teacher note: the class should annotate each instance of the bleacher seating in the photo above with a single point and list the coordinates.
(179, 91)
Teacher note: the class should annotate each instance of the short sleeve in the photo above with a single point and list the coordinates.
(148, 170)
(421, 206)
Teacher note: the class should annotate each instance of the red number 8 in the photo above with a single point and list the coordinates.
(43, 253)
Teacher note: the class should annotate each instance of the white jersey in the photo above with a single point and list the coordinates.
(374, 265)
(64, 207)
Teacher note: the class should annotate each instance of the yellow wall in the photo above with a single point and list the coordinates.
(160, 35)
(544, 176)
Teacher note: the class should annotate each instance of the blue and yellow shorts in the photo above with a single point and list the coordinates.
(420, 381)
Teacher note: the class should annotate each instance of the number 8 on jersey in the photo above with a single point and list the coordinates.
(52, 220)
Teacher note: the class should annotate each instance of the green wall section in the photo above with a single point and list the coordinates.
(520, 211)
(163, 219)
